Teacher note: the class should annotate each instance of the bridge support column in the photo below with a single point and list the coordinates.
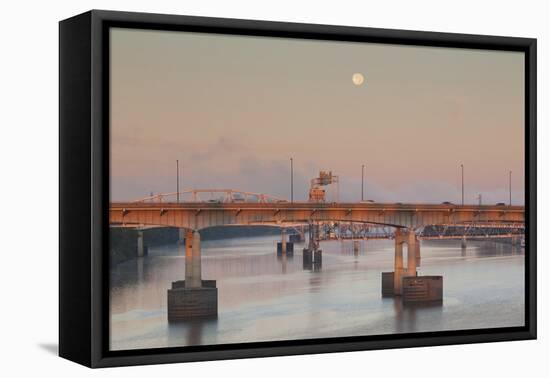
(192, 297)
(417, 252)
(415, 288)
(312, 255)
(307, 258)
(285, 247)
(312, 259)
(412, 242)
(392, 282)
(195, 271)
(318, 258)
(188, 257)
(141, 248)
(398, 263)
(181, 236)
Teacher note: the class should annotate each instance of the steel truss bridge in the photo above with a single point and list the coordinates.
(210, 196)
(357, 231)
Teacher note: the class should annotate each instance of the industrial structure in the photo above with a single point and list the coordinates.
(317, 191)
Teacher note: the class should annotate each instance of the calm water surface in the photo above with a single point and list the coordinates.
(263, 298)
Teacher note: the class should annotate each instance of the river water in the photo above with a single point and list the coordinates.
(262, 297)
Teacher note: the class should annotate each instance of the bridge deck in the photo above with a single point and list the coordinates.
(198, 215)
(315, 205)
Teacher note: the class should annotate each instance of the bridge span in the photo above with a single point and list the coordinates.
(199, 215)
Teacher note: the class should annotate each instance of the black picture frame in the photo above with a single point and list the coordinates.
(84, 187)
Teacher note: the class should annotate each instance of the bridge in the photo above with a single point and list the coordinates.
(211, 195)
(199, 215)
(194, 210)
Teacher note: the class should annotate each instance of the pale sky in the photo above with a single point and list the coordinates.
(234, 109)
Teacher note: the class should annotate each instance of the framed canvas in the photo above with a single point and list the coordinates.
(234, 188)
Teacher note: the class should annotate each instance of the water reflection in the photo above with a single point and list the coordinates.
(284, 260)
(190, 331)
(265, 297)
(406, 319)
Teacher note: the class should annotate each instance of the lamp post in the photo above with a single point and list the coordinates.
(462, 169)
(291, 180)
(362, 182)
(510, 187)
(177, 181)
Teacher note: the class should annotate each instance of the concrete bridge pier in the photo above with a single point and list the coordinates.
(141, 247)
(192, 297)
(181, 236)
(193, 273)
(417, 252)
(307, 258)
(312, 255)
(392, 282)
(285, 247)
(318, 258)
(412, 246)
(312, 259)
(404, 281)
(398, 263)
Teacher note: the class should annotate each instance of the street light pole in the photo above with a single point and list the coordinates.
(362, 182)
(510, 186)
(177, 181)
(462, 169)
(291, 180)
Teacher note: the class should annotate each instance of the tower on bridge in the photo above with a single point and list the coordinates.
(317, 193)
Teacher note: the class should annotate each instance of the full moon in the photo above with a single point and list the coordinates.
(357, 79)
